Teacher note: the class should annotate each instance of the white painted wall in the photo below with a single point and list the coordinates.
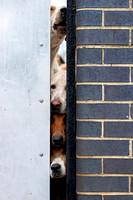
(24, 99)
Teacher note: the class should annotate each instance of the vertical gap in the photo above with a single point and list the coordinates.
(102, 197)
(130, 148)
(102, 56)
(130, 37)
(58, 111)
(71, 103)
(102, 135)
(102, 17)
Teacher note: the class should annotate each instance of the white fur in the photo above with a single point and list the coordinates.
(62, 170)
(59, 80)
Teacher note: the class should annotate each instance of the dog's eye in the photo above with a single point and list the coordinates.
(52, 9)
(53, 86)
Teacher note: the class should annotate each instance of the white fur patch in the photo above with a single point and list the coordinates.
(62, 170)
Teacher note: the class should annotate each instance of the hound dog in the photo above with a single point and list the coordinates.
(58, 130)
(58, 33)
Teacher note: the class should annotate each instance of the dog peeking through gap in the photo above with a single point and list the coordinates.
(58, 130)
(58, 34)
(58, 106)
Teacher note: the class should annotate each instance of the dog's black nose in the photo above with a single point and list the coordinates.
(63, 11)
(57, 139)
(55, 167)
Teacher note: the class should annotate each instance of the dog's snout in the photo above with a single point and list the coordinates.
(57, 139)
(55, 167)
(56, 103)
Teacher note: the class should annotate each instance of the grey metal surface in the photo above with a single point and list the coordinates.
(24, 99)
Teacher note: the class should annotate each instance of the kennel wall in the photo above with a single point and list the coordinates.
(104, 134)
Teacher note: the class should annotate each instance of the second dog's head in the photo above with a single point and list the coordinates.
(58, 130)
(58, 92)
(58, 20)
(58, 163)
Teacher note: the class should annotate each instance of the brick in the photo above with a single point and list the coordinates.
(85, 55)
(132, 111)
(118, 92)
(132, 36)
(118, 129)
(118, 56)
(118, 166)
(102, 4)
(88, 166)
(132, 74)
(118, 197)
(101, 36)
(132, 184)
(102, 184)
(102, 74)
(102, 111)
(88, 129)
(89, 92)
(102, 147)
(118, 18)
(88, 197)
(89, 18)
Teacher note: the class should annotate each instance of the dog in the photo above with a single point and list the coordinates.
(58, 130)
(58, 163)
(58, 92)
(58, 33)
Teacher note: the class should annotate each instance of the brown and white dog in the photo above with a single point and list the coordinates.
(58, 163)
(58, 92)
(58, 130)
(58, 33)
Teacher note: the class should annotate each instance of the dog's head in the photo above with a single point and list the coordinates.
(58, 130)
(58, 163)
(58, 92)
(58, 20)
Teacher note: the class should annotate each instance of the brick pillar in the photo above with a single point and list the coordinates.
(104, 100)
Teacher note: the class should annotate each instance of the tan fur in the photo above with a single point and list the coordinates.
(63, 67)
